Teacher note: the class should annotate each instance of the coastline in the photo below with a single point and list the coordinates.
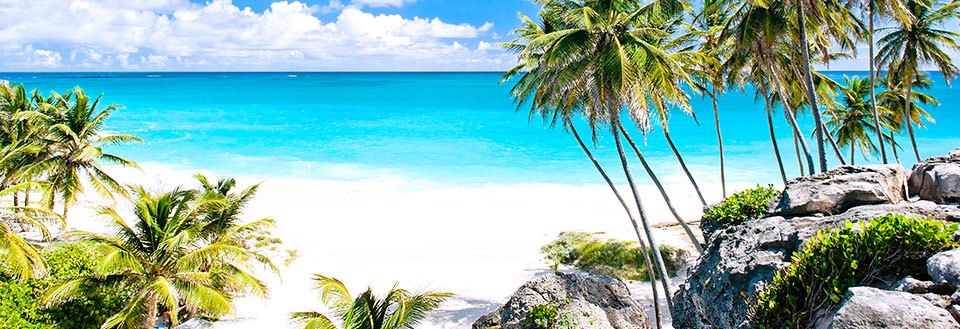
(480, 242)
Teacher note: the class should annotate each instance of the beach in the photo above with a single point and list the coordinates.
(480, 243)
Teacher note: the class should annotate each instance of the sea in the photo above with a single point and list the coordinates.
(460, 128)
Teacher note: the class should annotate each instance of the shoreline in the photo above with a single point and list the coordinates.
(480, 243)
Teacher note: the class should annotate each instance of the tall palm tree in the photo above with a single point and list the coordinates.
(851, 122)
(919, 41)
(75, 136)
(892, 105)
(163, 259)
(398, 309)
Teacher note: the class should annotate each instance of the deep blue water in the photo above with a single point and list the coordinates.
(448, 127)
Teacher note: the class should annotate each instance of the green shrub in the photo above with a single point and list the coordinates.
(588, 252)
(542, 316)
(20, 301)
(833, 261)
(741, 206)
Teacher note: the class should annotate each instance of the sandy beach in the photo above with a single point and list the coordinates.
(480, 242)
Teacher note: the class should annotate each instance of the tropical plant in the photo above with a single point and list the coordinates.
(851, 122)
(397, 309)
(592, 253)
(918, 41)
(835, 260)
(164, 259)
(21, 258)
(892, 103)
(743, 205)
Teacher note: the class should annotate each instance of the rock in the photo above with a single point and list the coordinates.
(195, 323)
(937, 179)
(940, 301)
(489, 320)
(956, 297)
(840, 189)
(865, 307)
(955, 312)
(738, 259)
(589, 301)
(944, 267)
(913, 286)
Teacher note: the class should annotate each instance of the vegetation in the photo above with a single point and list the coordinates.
(591, 253)
(741, 206)
(397, 309)
(20, 305)
(833, 261)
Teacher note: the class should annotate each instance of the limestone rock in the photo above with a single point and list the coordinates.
(840, 189)
(588, 301)
(865, 307)
(937, 179)
(944, 267)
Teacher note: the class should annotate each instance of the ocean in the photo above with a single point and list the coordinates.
(449, 128)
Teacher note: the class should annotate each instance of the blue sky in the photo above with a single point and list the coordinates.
(262, 35)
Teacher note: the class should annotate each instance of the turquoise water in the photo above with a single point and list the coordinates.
(457, 128)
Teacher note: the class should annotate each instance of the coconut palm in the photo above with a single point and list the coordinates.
(916, 42)
(76, 140)
(892, 104)
(851, 123)
(398, 309)
(19, 257)
(164, 260)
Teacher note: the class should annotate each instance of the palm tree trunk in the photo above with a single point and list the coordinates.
(773, 138)
(796, 147)
(791, 117)
(663, 192)
(683, 165)
(873, 84)
(852, 161)
(907, 108)
(808, 81)
(643, 245)
(151, 313)
(16, 198)
(26, 197)
(833, 144)
(893, 146)
(716, 119)
(654, 246)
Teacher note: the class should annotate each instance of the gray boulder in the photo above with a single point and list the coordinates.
(865, 307)
(587, 300)
(937, 179)
(944, 267)
(195, 323)
(840, 189)
(739, 259)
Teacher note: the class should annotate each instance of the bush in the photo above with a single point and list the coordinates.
(741, 206)
(542, 316)
(588, 252)
(20, 301)
(891, 246)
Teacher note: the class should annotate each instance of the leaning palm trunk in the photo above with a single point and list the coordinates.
(833, 144)
(796, 147)
(907, 117)
(643, 245)
(808, 81)
(893, 146)
(683, 165)
(663, 192)
(654, 246)
(716, 119)
(791, 117)
(773, 138)
(873, 84)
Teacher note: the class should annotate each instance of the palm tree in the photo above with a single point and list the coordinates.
(398, 309)
(19, 257)
(163, 259)
(851, 123)
(920, 41)
(891, 103)
(76, 143)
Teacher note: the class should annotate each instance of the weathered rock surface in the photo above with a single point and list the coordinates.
(591, 301)
(840, 189)
(195, 323)
(865, 307)
(937, 179)
(944, 267)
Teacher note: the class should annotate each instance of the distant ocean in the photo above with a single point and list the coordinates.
(456, 128)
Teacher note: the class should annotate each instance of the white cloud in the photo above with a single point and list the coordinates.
(381, 3)
(218, 35)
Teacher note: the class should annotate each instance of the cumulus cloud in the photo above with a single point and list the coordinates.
(218, 35)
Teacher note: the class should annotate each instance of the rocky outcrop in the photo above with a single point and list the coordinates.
(944, 267)
(840, 189)
(937, 179)
(865, 307)
(739, 259)
(586, 300)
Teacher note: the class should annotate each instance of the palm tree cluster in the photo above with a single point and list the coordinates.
(397, 309)
(615, 64)
(185, 252)
(50, 146)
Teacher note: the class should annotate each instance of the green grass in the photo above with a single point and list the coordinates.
(589, 252)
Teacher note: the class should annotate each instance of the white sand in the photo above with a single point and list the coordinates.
(481, 243)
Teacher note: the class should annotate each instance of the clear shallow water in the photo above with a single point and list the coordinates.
(458, 128)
